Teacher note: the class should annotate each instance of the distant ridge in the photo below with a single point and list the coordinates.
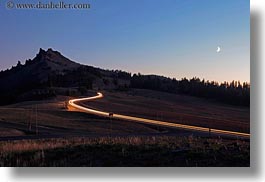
(50, 74)
(50, 70)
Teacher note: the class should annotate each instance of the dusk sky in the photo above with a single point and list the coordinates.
(174, 38)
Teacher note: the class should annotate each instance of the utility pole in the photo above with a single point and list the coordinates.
(110, 126)
(36, 119)
(29, 121)
(111, 116)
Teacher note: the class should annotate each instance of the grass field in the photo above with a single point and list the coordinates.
(126, 151)
(52, 118)
(175, 108)
(63, 138)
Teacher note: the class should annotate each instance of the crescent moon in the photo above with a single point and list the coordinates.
(218, 49)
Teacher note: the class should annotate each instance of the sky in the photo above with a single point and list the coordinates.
(173, 38)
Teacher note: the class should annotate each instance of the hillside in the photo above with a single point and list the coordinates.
(50, 74)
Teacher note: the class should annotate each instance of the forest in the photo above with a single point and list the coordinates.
(235, 93)
(23, 80)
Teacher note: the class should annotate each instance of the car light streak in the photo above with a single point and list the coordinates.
(150, 121)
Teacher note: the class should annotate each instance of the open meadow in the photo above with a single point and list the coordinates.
(175, 108)
(46, 133)
(50, 118)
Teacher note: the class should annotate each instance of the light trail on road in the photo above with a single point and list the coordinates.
(99, 95)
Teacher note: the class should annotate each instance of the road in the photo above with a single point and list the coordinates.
(74, 103)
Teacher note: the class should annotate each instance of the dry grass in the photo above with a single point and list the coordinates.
(123, 151)
(126, 151)
(175, 108)
(54, 119)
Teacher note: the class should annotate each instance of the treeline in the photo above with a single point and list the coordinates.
(235, 93)
(83, 76)
(18, 80)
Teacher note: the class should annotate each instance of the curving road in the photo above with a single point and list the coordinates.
(73, 103)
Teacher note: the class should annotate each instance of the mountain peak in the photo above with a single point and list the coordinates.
(50, 50)
(43, 55)
(55, 59)
(42, 51)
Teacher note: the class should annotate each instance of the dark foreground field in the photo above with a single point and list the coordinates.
(126, 151)
(46, 133)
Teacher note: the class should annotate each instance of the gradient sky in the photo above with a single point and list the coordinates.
(175, 38)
